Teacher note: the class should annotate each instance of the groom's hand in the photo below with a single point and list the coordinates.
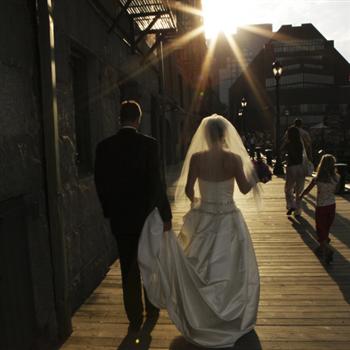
(167, 226)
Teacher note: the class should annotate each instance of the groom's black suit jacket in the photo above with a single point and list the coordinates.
(128, 181)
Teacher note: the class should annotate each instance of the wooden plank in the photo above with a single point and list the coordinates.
(304, 305)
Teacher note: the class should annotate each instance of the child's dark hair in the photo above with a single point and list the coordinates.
(326, 170)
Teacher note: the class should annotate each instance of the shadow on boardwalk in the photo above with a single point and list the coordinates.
(309, 236)
(249, 341)
(304, 305)
(341, 223)
(142, 342)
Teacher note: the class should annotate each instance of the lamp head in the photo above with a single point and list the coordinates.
(277, 69)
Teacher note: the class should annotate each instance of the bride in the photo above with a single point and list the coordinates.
(206, 276)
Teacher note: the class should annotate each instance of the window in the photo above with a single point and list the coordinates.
(318, 78)
(291, 67)
(300, 80)
(79, 69)
(313, 66)
(316, 108)
(299, 46)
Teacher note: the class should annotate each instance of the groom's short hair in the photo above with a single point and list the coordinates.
(130, 110)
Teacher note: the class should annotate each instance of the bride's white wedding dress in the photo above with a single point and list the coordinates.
(207, 276)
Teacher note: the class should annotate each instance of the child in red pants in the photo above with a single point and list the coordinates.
(326, 181)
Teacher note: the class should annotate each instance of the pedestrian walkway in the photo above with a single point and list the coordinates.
(304, 305)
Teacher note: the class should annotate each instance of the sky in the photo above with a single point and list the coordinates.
(330, 17)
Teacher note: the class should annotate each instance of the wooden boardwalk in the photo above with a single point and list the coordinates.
(304, 305)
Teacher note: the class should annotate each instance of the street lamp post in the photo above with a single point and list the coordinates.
(239, 121)
(244, 104)
(277, 72)
(286, 113)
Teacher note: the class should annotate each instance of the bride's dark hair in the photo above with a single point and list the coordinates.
(215, 130)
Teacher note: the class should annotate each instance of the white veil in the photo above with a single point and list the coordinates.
(231, 142)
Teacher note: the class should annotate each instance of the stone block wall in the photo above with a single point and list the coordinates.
(79, 27)
(22, 164)
(90, 247)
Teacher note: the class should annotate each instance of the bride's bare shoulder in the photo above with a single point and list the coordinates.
(197, 155)
(233, 157)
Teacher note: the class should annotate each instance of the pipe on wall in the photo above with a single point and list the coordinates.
(48, 101)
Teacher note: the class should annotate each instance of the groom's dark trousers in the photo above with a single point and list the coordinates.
(129, 186)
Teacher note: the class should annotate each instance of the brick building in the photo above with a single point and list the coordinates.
(65, 66)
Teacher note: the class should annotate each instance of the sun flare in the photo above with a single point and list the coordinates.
(225, 16)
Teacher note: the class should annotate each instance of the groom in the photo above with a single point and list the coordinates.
(129, 186)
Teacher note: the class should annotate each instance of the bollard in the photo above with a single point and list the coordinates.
(268, 154)
(258, 152)
(342, 171)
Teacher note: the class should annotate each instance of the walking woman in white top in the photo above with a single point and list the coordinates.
(295, 174)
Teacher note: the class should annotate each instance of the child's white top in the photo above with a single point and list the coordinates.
(325, 193)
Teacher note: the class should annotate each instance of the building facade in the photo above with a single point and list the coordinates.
(314, 85)
(233, 58)
(65, 68)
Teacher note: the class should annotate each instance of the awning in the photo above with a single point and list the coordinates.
(319, 126)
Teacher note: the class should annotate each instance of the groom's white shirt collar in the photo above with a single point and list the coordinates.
(128, 127)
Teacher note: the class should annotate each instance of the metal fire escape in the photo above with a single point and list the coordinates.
(148, 17)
